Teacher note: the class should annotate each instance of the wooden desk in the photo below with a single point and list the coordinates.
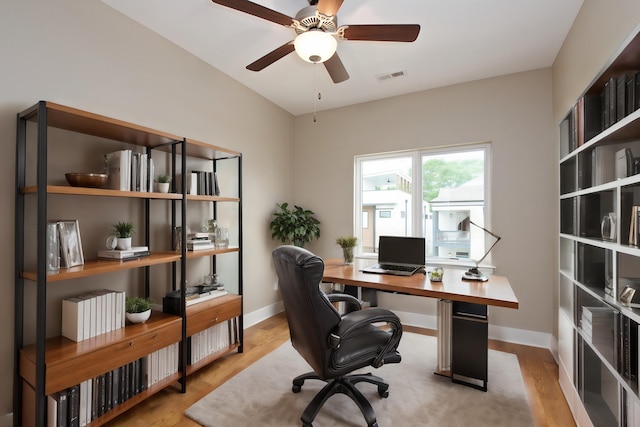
(496, 291)
(467, 367)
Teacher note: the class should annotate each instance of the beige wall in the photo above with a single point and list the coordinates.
(513, 112)
(84, 54)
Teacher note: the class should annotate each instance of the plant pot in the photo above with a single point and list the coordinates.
(139, 317)
(162, 187)
(348, 255)
(123, 243)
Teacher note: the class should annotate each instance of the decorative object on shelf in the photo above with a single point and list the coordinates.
(347, 243)
(222, 238)
(162, 183)
(124, 231)
(70, 244)
(138, 309)
(210, 226)
(608, 226)
(436, 274)
(297, 226)
(53, 248)
(474, 273)
(633, 226)
(92, 180)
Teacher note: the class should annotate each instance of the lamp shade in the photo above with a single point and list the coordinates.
(315, 46)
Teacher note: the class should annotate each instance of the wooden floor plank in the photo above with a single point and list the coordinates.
(165, 409)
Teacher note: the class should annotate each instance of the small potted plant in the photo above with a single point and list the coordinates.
(162, 183)
(123, 232)
(138, 309)
(347, 244)
(298, 226)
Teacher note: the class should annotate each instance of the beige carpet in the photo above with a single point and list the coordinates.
(261, 394)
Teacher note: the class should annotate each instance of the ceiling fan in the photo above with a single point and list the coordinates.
(317, 28)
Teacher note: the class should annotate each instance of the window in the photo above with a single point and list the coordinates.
(436, 194)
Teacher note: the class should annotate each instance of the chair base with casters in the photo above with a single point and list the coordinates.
(345, 385)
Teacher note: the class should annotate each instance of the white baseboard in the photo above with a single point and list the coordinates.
(501, 333)
(250, 319)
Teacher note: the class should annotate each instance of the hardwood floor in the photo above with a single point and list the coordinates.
(539, 371)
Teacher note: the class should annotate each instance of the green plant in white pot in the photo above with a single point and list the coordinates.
(123, 232)
(138, 309)
(297, 226)
(162, 183)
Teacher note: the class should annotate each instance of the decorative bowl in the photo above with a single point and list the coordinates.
(93, 180)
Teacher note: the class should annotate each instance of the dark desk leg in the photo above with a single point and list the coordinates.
(469, 345)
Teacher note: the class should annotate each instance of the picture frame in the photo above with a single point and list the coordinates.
(71, 254)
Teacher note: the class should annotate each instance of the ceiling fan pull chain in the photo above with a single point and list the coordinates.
(315, 89)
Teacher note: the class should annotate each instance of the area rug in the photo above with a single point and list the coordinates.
(261, 394)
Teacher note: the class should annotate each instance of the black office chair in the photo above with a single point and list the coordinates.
(333, 345)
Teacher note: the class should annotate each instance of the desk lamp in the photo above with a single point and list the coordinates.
(473, 273)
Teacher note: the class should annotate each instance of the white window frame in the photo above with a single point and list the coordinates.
(416, 193)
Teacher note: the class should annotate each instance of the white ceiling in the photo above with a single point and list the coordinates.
(459, 41)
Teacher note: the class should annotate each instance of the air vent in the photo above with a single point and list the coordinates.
(388, 76)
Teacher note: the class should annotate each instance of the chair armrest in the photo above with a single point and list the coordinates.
(351, 322)
(352, 303)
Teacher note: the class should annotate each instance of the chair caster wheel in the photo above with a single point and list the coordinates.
(383, 392)
(306, 425)
(296, 389)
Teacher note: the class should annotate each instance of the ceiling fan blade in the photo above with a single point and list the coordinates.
(382, 33)
(336, 69)
(271, 57)
(256, 10)
(329, 7)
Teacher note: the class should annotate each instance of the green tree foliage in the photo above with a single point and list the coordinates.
(438, 173)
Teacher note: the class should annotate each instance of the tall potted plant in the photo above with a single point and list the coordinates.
(297, 226)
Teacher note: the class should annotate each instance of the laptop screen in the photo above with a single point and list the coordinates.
(400, 249)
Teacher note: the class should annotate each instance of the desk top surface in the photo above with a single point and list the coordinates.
(496, 291)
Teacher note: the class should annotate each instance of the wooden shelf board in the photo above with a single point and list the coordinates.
(204, 315)
(101, 266)
(102, 192)
(202, 198)
(207, 151)
(217, 251)
(75, 120)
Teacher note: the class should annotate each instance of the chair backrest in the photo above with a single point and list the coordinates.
(310, 315)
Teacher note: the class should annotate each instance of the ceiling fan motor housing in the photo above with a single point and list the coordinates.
(309, 18)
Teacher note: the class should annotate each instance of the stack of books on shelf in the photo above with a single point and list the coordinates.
(212, 340)
(93, 314)
(199, 242)
(81, 404)
(136, 252)
(193, 295)
(130, 171)
(598, 326)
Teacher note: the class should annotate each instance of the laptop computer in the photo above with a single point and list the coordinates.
(399, 255)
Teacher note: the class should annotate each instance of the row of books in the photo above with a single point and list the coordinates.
(93, 314)
(79, 405)
(212, 340)
(130, 171)
(594, 113)
(202, 183)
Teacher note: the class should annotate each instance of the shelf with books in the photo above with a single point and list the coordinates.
(598, 237)
(48, 365)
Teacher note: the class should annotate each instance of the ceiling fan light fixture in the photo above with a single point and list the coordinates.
(315, 46)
